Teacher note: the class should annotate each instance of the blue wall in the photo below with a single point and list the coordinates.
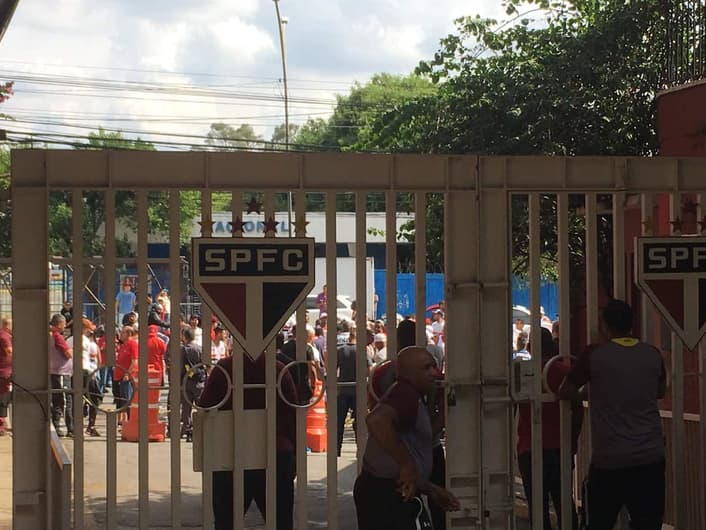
(549, 296)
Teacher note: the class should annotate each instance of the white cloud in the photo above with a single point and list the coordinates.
(244, 41)
(330, 43)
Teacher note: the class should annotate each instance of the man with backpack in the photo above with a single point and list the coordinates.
(193, 376)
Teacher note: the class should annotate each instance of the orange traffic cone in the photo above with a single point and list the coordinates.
(155, 428)
(316, 422)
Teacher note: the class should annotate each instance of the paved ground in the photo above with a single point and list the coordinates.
(160, 486)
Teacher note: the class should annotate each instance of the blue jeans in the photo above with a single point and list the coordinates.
(105, 377)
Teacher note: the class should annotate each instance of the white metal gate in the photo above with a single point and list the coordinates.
(477, 193)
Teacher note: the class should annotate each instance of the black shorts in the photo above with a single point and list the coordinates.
(379, 506)
(640, 489)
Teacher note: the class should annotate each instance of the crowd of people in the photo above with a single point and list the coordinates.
(119, 379)
(404, 456)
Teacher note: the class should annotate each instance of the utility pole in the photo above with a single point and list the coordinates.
(281, 22)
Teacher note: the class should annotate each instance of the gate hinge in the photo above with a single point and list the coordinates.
(451, 288)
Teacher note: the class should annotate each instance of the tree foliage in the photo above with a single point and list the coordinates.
(559, 78)
(93, 208)
(224, 136)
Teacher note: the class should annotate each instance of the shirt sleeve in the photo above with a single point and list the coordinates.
(134, 350)
(580, 372)
(405, 400)
(60, 343)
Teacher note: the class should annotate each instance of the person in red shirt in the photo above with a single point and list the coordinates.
(5, 371)
(156, 348)
(61, 368)
(551, 436)
(125, 364)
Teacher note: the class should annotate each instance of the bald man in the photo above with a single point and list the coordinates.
(399, 454)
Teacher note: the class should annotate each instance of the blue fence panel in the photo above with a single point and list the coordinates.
(406, 303)
(548, 294)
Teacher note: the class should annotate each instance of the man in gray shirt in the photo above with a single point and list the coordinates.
(626, 378)
(398, 457)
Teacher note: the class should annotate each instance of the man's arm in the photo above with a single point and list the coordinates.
(63, 346)
(383, 425)
(578, 376)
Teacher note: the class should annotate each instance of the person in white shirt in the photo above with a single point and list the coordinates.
(218, 345)
(380, 341)
(437, 327)
(89, 362)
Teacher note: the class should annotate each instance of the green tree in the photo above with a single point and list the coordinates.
(224, 136)
(93, 210)
(566, 78)
(310, 135)
(279, 138)
(5, 204)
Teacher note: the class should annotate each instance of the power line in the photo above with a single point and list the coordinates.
(171, 72)
(64, 139)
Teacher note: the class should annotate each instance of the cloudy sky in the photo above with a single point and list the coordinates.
(175, 66)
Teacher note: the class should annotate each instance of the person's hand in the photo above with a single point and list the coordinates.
(444, 499)
(407, 483)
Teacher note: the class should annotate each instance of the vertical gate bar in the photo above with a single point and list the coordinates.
(512, 419)
(271, 397)
(420, 280)
(591, 269)
(361, 296)
(238, 418)
(701, 350)
(463, 352)
(77, 331)
(111, 417)
(647, 223)
(331, 364)
(205, 313)
(302, 468)
(619, 288)
(494, 288)
(702, 425)
(566, 454)
(31, 451)
(236, 378)
(536, 343)
(143, 402)
(174, 396)
(391, 272)
(678, 427)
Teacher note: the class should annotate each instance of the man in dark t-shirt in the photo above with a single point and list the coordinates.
(626, 378)
(398, 457)
(254, 480)
(347, 374)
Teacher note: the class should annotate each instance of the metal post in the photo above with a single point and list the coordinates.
(564, 350)
(281, 22)
(536, 343)
(678, 427)
(77, 379)
(143, 403)
(31, 428)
